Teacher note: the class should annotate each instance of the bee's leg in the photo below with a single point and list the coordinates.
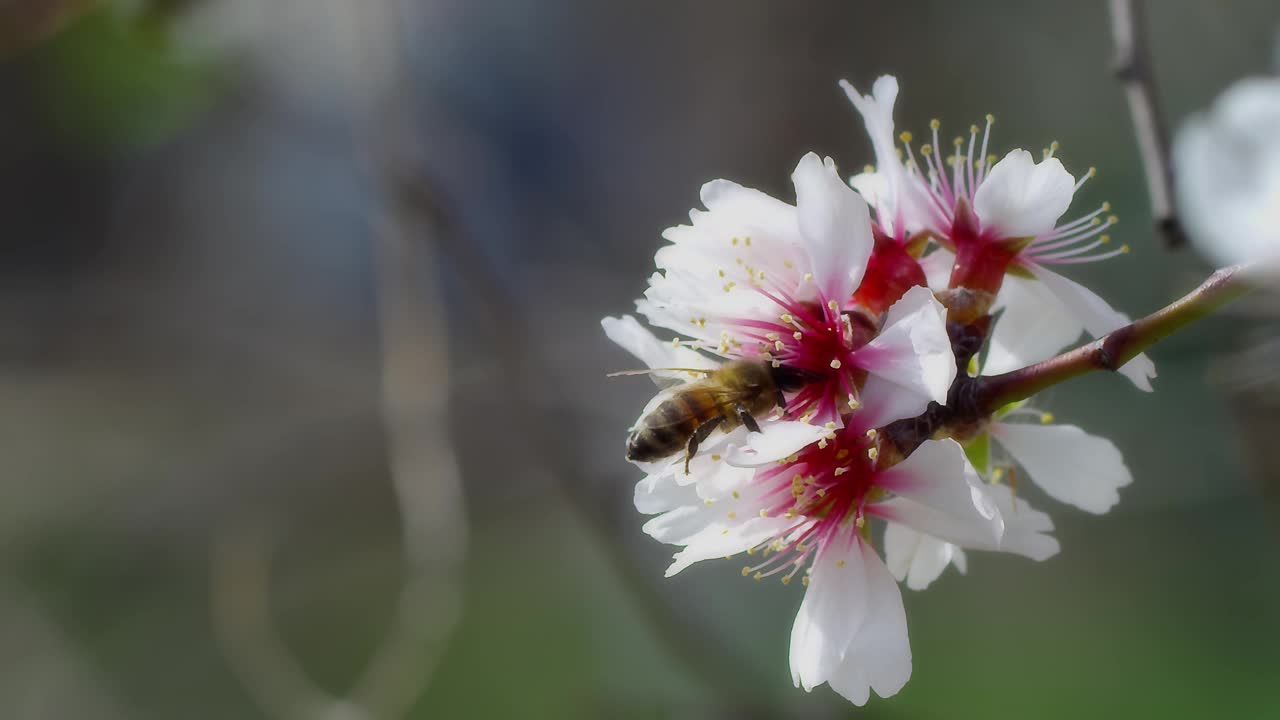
(781, 400)
(702, 433)
(747, 419)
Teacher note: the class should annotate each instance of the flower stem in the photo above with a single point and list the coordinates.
(1112, 351)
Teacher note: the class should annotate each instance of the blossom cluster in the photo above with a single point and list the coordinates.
(886, 292)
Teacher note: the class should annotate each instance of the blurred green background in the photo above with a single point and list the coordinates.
(304, 410)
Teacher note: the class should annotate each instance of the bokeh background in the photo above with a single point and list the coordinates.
(303, 403)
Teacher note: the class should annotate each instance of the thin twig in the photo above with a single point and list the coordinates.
(1133, 67)
(972, 400)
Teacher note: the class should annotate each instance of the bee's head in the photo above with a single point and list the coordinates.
(790, 379)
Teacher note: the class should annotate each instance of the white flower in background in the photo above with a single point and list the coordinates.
(755, 278)
(1228, 172)
(994, 216)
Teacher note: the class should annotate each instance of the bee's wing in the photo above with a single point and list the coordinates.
(668, 377)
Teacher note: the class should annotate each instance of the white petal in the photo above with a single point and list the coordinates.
(775, 441)
(1071, 465)
(1034, 326)
(1023, 198)
(938, 476)
(660, 492)
(1025, 528)
(636, 339)
(835, 225)
(879, 657)
(727, 538)
(915, 557)
(876, 110)
(937, 267)
(1098, 318)
(913, 354)
(833, 609)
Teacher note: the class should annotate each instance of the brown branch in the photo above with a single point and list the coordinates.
(971, 401)
(1113, 350)
(1133, 67)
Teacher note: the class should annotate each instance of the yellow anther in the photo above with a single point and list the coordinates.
(860, 521)
(777, 364)
(750, 551)
(675, 342)
(935, 124)
(790, 514)
(1093, 171)
(958, 141)
(811, 480)
(973, 129)
(1104, 239)
(747, 241)
(868, 168)
(787, 318)
(991, 159)
(720, 272)
(736, 495)
(853, 403)
(746, 570)
(1124, 249)
(842, 454)
(833, 305)
(991, 119)
(757, 577)
(772, 336)
(730, 285)
(777, 345)
(820, 492)
(1046, 418)
(804, 580)
(733, 241)
(764, 513)
(787, 264)
(873, 453)
(1113, 220)
(738, 260)
(733, 515)
(839, 563)
(760, 274)
(822, 444)
(872, 433)
(708, 501)
(786, 579)
(1053, 146)
(905, 136)
(997, 474)
(797, 335)
(808, 277)
(926, 150)
(1095, 222)
(840, 471)
(835, 364)
(831, 425)
(716, 457)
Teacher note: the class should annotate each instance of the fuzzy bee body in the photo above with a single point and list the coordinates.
(736, 393)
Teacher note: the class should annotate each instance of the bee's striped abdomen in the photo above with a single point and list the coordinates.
(667, 429)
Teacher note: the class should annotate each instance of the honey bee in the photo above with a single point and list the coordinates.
(733, 394)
